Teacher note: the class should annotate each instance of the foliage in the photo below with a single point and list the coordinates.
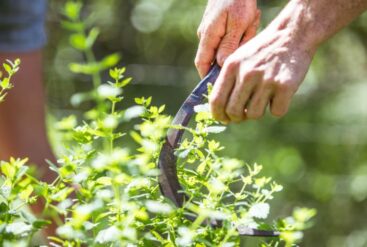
(10, 68)
(17, 191)
(105, 194)
(318, 151)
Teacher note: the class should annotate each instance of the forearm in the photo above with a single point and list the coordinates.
(311, 22)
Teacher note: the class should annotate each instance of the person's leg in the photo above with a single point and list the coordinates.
(22, 114)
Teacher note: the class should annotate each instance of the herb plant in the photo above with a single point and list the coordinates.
(10, 68)
(106, 194)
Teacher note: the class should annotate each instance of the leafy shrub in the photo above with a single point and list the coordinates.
(108, 195)
(10, 68)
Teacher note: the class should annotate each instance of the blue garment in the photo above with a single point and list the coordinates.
(22, 25)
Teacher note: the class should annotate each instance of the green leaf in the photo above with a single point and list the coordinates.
(136, 137)
(5, 83)
(2, 97)
(124, 82)
(161, 108)
(106, 181)
(7, 68)
(114, 74)
(8, 170)
(158, 236)
(17, 62)
(110, 60)
(303, 214)
(62, 194)
(25, 193)
(201, 168)
(22, 170)
(73, 26)
(88, 69)
(3, 208)
(39, 224)
(78, 41)
(92, 36)
(72, 10)
(139, 101)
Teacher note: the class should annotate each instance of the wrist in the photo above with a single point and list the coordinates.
(296, 22)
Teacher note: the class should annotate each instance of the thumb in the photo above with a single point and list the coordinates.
(227, 46)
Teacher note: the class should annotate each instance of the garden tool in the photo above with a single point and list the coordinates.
(168, 179)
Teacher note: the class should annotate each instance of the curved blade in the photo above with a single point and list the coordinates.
(168, 180)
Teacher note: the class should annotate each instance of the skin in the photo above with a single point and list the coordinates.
(225, 26)
(22, 122)
(268, 70)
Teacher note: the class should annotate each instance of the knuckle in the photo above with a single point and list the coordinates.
(233, 112)
(215, 103)
(230, 64)
(283, 86)
(268, 84)
(208, 33)
(240, 16)
(268, 81)
(229, 45)
(286, 85)
(199, 61)
(250, 74)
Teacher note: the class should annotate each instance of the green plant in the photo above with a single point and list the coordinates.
(107, 195)
(10, 68)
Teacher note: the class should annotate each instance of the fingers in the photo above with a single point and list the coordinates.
(221, 92)
(221, 31)
(228, 45)
(208, 44)
(259, 101)
(252, 29)
(280, 103)
(239, 97)
(235, 28)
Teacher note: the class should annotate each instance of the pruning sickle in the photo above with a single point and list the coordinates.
(168, 179)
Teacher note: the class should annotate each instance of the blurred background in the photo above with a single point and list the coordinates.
(318, 152)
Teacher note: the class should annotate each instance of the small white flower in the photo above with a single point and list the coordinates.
(186, 236)
(158, 207)
(259, 210)
(134, 112)
(202, 108)
(108, 235)
(18, 228)
(106, 91)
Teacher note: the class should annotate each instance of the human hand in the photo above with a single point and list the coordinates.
(224, 27)
(266, 70)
